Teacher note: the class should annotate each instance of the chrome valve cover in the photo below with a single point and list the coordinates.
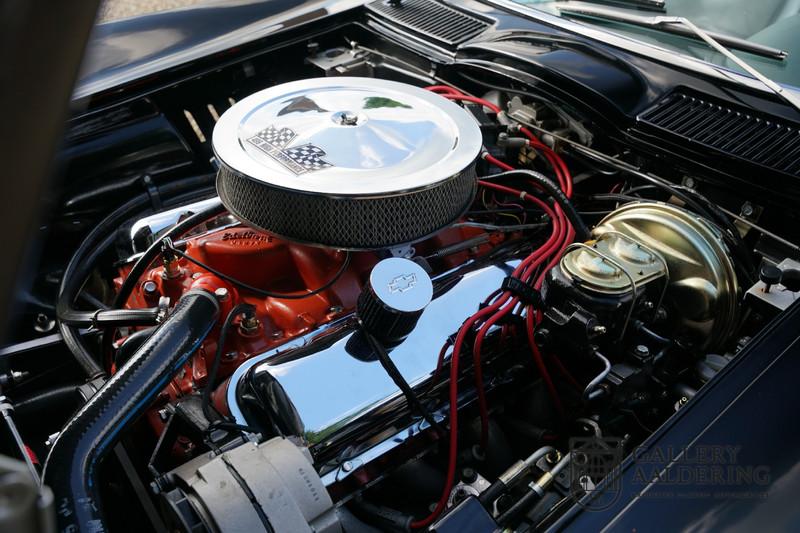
(330, 390)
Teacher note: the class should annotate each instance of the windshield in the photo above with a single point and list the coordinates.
(774, 23)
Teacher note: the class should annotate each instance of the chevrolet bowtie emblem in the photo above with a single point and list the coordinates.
(402, 283)
(298, 159)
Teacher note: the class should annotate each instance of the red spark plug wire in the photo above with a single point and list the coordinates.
(561, 235)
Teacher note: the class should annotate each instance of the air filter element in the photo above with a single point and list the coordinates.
(353, 163)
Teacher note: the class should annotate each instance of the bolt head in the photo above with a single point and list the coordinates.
(599, 330)
(469, 475)
(51, 438)
(541, 336)
(43, 323)
(150, 287)
(249, 324)
(221, 293)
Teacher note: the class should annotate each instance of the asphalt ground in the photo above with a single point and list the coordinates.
(117, 9)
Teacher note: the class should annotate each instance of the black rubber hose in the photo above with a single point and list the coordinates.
(518, 508)
(149, 255)
(71, 469)
(267, 294)
(384, 518)
(391, 369)
(77, 270)
(211, 378)
(111, 317)
(132, 343)
(46, 401)
(494, 491)
(582, 232)
(102, 236)
(118, 188)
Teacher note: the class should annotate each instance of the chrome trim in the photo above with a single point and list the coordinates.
(353, 463)
(291, 344)
(347, 137)
(147, 230)
(332, 390)
(298, 342)
(676, 25)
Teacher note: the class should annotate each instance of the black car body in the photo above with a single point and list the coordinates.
(142, 116)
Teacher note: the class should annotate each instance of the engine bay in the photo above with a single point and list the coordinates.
(383, 296)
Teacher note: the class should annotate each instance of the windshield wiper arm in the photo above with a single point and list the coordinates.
(788, 96)
(645, 5)
(710, 38)
(678, 26)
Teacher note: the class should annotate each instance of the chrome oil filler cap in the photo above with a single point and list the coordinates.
(396, 294)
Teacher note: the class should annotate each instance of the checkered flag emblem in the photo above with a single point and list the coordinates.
(279, 138)
(298, 159)
(308, 156)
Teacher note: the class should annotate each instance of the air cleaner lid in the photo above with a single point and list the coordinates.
(379, 160)
(347, 136)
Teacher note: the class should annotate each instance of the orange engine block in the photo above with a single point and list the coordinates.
(261, 260)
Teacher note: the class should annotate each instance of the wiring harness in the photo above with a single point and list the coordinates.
(564, 222)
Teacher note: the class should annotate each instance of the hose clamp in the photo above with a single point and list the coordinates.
(96, 319)
(163, 309)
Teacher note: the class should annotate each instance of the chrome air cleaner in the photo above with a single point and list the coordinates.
(355, 163)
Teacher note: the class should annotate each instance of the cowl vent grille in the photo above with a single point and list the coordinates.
(735, 131)
(433, 20)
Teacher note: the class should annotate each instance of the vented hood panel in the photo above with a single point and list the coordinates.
(431, 19)
(734, 131)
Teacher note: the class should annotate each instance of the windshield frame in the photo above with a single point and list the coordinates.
(635, 46)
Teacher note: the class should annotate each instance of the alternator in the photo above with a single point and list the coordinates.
(254, 487)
